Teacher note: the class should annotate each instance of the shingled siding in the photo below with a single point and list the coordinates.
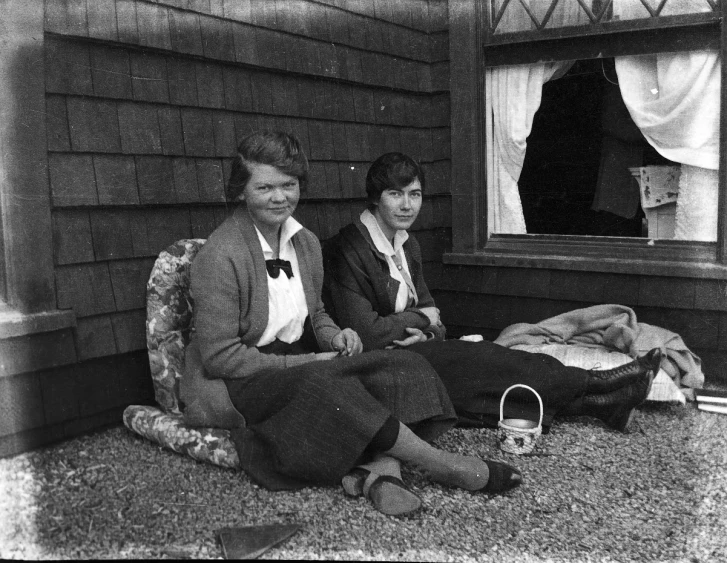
(146, 102)
(484, 300)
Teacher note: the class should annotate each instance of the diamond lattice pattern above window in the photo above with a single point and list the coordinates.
(536, 15)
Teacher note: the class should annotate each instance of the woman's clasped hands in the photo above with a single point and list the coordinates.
(432, 314)
(415, 335)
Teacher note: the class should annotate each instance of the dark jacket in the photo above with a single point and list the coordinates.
(359, 292)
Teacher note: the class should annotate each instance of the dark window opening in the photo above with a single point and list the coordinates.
(579, 150)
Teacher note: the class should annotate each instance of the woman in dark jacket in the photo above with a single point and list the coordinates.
(374, 284)
(304, 406)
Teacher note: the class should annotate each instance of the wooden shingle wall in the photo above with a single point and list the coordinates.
(146, 102)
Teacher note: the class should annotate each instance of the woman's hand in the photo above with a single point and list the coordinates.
(416, 336)
(347, 342)
(432, 314)
(325, 356)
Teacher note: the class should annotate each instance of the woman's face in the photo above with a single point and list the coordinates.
(271, 196)
(398, 208)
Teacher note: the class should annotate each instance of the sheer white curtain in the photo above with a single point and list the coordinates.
(674, 99)
(513, 96)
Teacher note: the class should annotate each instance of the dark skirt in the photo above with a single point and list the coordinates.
(476, 374)
(311, 424)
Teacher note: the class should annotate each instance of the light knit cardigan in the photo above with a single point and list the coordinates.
(229, 286)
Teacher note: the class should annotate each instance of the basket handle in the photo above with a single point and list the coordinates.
(540, 401)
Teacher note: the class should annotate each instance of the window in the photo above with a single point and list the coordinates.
(548, 75)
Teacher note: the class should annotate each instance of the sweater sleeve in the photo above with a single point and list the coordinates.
(219, 298)
(346, 281)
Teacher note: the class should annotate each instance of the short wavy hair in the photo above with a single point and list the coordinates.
(275, 148)
(391, 170)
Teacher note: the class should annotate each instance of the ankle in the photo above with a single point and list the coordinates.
(629, 395)
(606, 381)
(384, 465)
(408, 447)
(450, 469)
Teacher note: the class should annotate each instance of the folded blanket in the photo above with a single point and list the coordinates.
(615, 327)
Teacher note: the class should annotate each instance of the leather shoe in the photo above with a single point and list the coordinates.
(354, 480)
(503, 477)
(388, 494)
(391, 496)
(616, 409)
(605, 381)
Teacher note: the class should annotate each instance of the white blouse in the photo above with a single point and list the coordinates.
(406, 296)
(287, 308)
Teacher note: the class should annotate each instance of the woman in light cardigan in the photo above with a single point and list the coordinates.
(374, 284)
(304, 406)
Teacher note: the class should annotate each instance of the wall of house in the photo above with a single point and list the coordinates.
(145, 103)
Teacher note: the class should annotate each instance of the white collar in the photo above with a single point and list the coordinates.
(381, 242)
(287, 232)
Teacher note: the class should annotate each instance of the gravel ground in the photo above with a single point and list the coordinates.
(657, 494)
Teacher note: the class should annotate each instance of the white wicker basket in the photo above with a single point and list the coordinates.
(517, 435)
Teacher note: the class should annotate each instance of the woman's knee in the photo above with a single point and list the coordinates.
(408, 363)
(312, 375)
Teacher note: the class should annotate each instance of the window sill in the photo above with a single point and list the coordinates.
(14, 323)
(590, 264)
(613, 255)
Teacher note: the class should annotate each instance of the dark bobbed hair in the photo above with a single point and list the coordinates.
(391, 170)
(275, 148)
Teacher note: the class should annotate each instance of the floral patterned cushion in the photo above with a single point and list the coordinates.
(203, 444)
(169, 319)
(168, 326)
